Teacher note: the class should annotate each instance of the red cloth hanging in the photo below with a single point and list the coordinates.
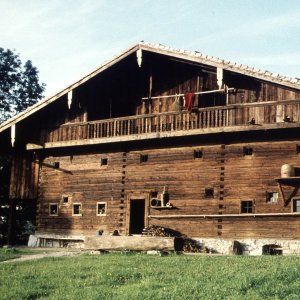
(189, 100)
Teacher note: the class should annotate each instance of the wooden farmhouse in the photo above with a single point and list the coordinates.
(160, 136)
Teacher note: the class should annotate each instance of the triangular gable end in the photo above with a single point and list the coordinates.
(184, 55)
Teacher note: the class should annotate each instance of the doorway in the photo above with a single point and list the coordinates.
(137, 216)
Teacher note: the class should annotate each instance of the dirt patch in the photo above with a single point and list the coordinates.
(52, 253)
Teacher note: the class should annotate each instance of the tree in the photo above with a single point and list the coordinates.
(4, 196)
(19, 84)
(19, 89)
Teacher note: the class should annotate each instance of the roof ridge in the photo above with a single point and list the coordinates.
(229, 63)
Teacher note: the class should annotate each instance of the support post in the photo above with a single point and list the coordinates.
(11, 222)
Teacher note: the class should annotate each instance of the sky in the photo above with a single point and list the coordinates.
(66, 39)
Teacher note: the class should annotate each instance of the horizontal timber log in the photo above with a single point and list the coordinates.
(137, 243)
(225, 216)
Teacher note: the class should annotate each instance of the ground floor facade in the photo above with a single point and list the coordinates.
(225, 190)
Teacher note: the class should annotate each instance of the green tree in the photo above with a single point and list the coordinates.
(19, 84)
(19, 89)
(4, 194)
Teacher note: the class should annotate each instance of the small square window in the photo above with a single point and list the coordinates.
(103, 161)
(271, 197)
(143, 158)
(298, 149)
(153, 194)
(247, 207)
(198, 154)
(209, 193)
(56, 165)
(53, 209)
(247, 151)
(65, 199)
(77, 209)
(296, 205)
(101, 208)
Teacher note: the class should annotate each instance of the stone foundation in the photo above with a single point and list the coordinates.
(221, 246)
(251, 246)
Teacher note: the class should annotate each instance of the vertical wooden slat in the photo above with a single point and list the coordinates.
(128, 127)
(208, 119)
(114, 124)
(146, 125)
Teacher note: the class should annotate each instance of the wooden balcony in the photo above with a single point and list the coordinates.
(203, 120)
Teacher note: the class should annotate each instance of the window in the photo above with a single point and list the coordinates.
(198, 154)
(247, 207)
(101, 208)
(53, 209)
(296, 205)
(56, 165)
(153, 194)
(247, 151)
(103, 161)
(65, 199)
(271, 197)
(298, 149)
(143, 158)
(209, 193)
(77, 209)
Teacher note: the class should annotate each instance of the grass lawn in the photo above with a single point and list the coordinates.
(141, 276)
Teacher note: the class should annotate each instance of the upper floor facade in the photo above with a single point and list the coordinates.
(151, 91)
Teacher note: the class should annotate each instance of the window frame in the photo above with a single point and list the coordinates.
(65, 196)
(247, 151)
(73, 206)
(198, 154)
(144, 158)
(97, 209)
(294, 200)
(269, 197)
(209, 193)
(52, 214)
(247, 207)
(103, 161)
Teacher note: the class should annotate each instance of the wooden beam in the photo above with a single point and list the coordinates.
(30, 146)
(137, 243)
(295, 214)
(13, 134)
(11, 222)
(281, 193)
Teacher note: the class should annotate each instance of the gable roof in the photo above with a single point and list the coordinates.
(191, 56)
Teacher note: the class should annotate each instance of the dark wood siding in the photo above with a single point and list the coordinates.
(233, 176)
(24, 176)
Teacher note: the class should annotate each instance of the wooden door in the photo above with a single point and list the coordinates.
(137, 216)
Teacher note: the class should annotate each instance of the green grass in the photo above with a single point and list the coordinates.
(140, 276)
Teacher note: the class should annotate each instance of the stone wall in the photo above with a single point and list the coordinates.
(251, 246)
(221, 246)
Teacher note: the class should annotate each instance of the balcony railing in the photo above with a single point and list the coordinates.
(214, 117)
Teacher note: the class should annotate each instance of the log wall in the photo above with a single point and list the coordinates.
(24, 176)
(224, 169)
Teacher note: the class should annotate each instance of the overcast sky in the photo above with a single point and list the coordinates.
(66, 39)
